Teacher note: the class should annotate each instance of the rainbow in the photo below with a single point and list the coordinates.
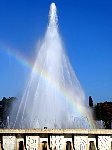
(74, 105)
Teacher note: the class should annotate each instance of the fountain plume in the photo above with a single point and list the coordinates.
(53, 97)
(53, 19)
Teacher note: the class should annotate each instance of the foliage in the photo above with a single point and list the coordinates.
(6, 104)
(90, 101)
(103, 111)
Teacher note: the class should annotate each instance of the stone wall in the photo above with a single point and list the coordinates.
(55, 139)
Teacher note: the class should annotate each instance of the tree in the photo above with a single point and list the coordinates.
(5, 107)
(103, 111)
(90, 101)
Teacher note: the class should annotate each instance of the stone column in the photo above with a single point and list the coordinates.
(9, 143)
(32, 142)
(80, 142)
(104, 142)
(57, 142)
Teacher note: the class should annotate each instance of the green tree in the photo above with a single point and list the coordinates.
(90, 101)
(5, 108)
(103, 111)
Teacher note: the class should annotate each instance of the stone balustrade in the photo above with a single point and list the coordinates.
(55, 139)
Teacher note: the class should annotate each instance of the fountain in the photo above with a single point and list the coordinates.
(53, 97)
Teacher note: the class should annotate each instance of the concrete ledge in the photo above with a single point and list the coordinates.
(57, 131)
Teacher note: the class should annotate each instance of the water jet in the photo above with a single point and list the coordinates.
(53, 97)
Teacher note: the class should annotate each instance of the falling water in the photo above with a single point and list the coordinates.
(53, 97)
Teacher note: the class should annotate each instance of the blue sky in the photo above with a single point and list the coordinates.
(86, 30)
